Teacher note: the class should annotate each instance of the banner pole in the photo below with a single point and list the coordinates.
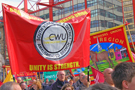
(3, 73)
(14, 78)
(88, 73)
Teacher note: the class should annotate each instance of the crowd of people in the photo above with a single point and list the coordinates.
(122, 77)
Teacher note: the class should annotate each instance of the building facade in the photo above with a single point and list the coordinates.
(104, 13)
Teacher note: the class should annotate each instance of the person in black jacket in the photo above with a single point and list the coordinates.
(49, 86)
(79, 82)
(60, 81)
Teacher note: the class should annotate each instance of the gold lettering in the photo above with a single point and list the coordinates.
(71, 65)
(30, 67)
(44, 66)
(101, 39)
(105, 38)
(121, 41)
(117, 40)
(35, 67)
(55, 67)
(77, 64)
(51, 67)
(109, 39)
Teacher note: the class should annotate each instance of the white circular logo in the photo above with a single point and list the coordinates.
(54, 41)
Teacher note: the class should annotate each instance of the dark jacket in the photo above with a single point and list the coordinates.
(82, 87)
(45, 85)
(57, 85)
(48, 87)
(77, 84)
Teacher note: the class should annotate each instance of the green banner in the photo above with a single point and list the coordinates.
(28, 79)
(50, 75)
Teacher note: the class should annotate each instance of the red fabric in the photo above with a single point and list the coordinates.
(98, 76)
(1, 83)
(20, 29)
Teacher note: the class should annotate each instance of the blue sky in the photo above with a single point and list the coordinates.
(104, 46)
(15, 3)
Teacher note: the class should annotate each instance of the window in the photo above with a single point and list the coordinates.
(75, 7)
(80, 6)
(47, 16)
(94, 13)
(83, 5)
(119, 18)
(131, 26)
(70, 9)
(66, 10)
(128, 14)
(119, 9)
(128, 8)
(110, 15)
(129, 20)
(104, 23)
(110, 24)
(94, 23)
(127, 2)
(102, 12)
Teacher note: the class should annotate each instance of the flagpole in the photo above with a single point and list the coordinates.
(14, 78)
(88, 73)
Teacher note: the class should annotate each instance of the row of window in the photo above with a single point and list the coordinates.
(128, 14)
(106, 14)
(128, 8)
(127, 2)
(80, 6)
(110, 5)
(103, 23)
(110, 15)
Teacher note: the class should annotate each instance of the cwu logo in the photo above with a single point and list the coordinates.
(54, 41)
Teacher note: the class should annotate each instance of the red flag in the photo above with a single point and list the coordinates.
(36, 45)
(98, 76)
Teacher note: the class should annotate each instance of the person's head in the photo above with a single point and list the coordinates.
(75, 79)
(34, 81)
(67, 86)
(81, 76)
(39, 85)
(61, 75)
(101, 86)
(51, 81)
(71, 82)
(23, 85)
(10, 86)
(85, 80)
(124, 76)
(107, 76)
(46, 80)
(19, 80)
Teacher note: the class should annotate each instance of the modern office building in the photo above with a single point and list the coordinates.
(104, 13)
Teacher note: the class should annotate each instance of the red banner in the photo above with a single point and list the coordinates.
(21, 74)
(109, 48)
(99, 76)
(36, 45)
